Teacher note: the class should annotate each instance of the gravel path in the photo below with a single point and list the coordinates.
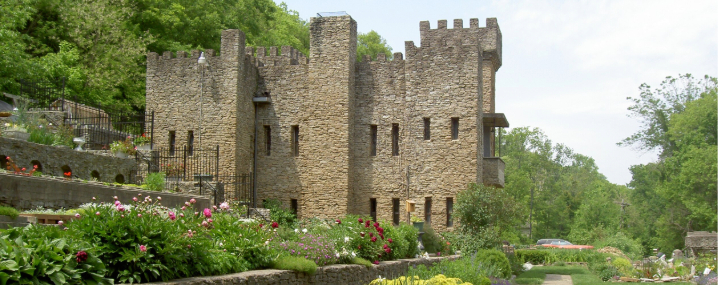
(555, 279)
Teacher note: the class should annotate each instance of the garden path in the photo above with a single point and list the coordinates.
(556, 279)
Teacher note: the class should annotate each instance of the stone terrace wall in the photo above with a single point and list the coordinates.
(53, 158)
(27, 193)
(342, 274)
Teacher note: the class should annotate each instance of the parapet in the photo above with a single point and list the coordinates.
(232, 47)
(278, 56)
(488, 37)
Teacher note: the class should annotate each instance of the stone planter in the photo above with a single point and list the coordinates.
(419, 226)
(143, 147)
(23, 136)
(120, 154)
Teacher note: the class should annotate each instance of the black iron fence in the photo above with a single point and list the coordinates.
(186, 163)
(101, 129)
(43, 92)
(238, 189)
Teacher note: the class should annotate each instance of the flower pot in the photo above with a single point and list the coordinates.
(17, 135)
(419, 226)
(143, 147)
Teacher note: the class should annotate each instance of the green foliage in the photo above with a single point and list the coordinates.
(9, 212)
(430, 239)
(295, 263)
(400, 245)
(42, 255)
(372, 44)
(281, 215)
(156, 181)
(466, 269)
(496, 260)
(628, 246)
(534, 256)
(623, 266)
(410, 234)
(361, 261)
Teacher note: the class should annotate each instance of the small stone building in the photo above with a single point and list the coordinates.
(336, 136)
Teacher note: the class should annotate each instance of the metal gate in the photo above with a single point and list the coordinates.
(238, 189)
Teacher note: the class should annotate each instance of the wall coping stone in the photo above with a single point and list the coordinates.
(324, 274)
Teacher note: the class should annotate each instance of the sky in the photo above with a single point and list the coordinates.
(568, 66)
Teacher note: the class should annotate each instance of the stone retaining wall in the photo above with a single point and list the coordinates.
(342, 274)
(25, 193)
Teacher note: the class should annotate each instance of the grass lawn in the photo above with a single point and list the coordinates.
(579, 275)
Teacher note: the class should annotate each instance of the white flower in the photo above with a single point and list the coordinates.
(337, 255)
(353, 254)
(304, 231)
(347, 239)
(221, 244)
(296, 230)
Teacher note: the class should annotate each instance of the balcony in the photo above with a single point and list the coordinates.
(492, 165)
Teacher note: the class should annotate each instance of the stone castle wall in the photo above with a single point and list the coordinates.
(334, 101)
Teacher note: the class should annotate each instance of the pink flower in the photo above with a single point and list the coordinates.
(120, 208)
(207, 213)
(186, 204)
(192, 201)
(172, 216)
(115, 197)
(390, 240)
(158, 198)
(181, 214)
(78, 216)
(139, 215)
(117, 203)
(214, 208)
(60, 223)
(142, 248)
(98, 213)
(183, 208)
(376, 262)
(135, 199)
(205, 224)
(94, 198)
(209, 220)
(224, 206)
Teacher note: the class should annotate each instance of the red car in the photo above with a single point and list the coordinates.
(565, 244)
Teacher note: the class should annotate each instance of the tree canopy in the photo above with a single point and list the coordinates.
(372, 44)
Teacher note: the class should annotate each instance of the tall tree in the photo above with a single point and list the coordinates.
(372, 44)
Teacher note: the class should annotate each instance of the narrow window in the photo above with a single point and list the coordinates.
(426, 129)
(428, 204)
(172, 142)
(373, 140)
(190, 142)
(395, 134)
(374, 209)
(293, 206)
(268, 140)
(396, 211)
(295, 140)
(454, 128)
(449, 212)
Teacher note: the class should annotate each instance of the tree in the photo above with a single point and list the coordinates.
(372, 44)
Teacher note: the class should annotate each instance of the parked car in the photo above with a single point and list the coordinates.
(560, 243)
(546, 241)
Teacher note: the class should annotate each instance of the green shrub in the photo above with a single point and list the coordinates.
(496, 260)
(281, 215)
(398, 246)
(534, 256)
(431, 241)
(294, 263)
(410, 234)
(41, 136)
(628, 246)
(360, 261)
(156, 181)
(41, 255)
(466, 269)
(624, 267)
(9, 211)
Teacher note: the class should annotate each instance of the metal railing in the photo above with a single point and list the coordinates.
(101, 129)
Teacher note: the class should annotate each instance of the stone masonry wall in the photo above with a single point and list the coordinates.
(342, 274)
(53, 158)
(284, 81)
(173, 92)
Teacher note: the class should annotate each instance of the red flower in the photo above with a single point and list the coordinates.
(385, 246)
(81, 256)
(391, 240)
(388, 250)
(358, 220)
(338, 221)
(380, 230)
(275, 225)
(367, 223)
(362, 234)
(23, 169)
(371, 234)
(376, 225)
(376, 262)
(261, 225)
(373, 239)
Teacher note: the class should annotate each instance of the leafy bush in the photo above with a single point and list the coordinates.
(360, 261)
(630, 247)
(496, 260)
(466, 269)
(535, 256)
(481, 209)
(439, 279)
(410, 234)
(156, 181)
(431, 241)
(41, 255)
(624, 267)
(295, 263)
(399, 245)
(281, 215)
(9, 211)
(41, 136)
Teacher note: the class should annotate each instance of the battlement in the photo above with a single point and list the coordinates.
(398, 56)
(487, 38)
(278, 56)
(231, 43)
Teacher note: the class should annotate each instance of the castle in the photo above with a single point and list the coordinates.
(336, 136)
